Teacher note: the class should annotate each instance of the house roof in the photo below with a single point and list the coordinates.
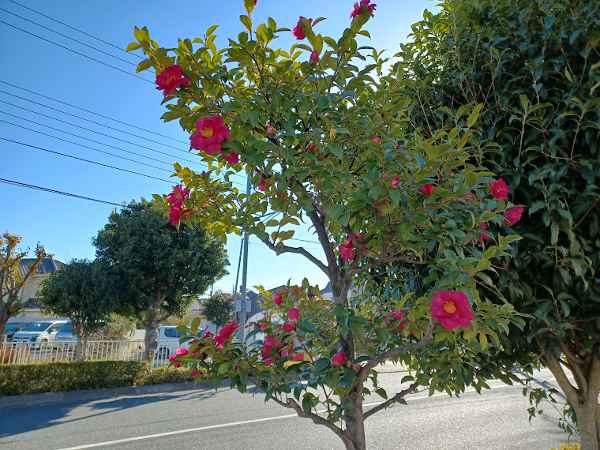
(48, 265)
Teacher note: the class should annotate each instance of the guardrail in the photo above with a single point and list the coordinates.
(59, 351)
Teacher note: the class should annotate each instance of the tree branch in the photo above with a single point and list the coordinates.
(279, 249)
(292, 404)
(382, 357)
(398, 398)
(570, 391)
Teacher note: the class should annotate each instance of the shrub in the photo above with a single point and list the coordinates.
(67, 376)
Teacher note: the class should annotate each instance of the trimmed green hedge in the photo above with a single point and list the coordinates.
(70, 376)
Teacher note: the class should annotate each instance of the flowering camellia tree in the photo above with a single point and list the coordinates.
(320, 131)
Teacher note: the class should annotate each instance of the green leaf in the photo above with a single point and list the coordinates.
(132, 46)
(474, 115)
(249, 5)
(247, 22)
(211, 29)
(382, 393)
(195, 325)
(483, 341)
(144, 65)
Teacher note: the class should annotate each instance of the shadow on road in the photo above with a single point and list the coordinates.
(17, 420)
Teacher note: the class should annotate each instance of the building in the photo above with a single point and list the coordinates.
(29, 292)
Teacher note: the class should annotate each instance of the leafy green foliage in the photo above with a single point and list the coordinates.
(160, 267)
(535, 66)
(70, 376)
(80, 291)
(13, 277)
(218, 308)
(67, 376)
(329, 143)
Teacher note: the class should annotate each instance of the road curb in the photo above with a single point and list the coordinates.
(82, 396)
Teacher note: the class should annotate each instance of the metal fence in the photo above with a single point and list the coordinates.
(107, 350)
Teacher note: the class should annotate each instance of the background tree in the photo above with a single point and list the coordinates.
(160, 267)
(535, 68)
(80, 291)
(13, 275)
(218, 308)
(320, 130)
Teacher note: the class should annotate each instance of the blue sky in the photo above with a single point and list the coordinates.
(65, 226)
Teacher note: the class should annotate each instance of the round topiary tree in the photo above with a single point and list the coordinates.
(324, 143)
(218, 308)
(535, 68)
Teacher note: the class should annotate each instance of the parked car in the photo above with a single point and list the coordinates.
(11, 328)
(168, 341)
(38, 332)
(66, 334)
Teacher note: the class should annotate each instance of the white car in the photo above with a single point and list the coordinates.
(168, 341)
(38, 332)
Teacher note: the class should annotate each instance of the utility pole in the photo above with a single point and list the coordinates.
(243, 287)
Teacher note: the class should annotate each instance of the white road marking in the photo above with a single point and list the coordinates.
(243, 422)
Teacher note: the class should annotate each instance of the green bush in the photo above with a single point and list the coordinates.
(70, 376)
(164, 375)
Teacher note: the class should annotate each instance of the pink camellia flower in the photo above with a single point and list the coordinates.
(339, 359)
(293, 314)
(267, 361)
(395, 182)
(232, 158)
(225, 333)
(262, 326)
(298, 357)
(513, 215)
(394, 315)
(196, 373)
(375, 139)
(426, 189)
(277, 298)
(271, 341)
(499, 189)
(262, 185)
(173, 358)
(347, 251)
(451, 309)
(207, 335)
(312, 147)
(181, 351)
(363, 7)
(284, 353)
(288, 327)
(179, 195)
(484, 226)
(176, 213)
(210, 133)
(298, 30)
(270, 130)
(314, 57)
(170, 79)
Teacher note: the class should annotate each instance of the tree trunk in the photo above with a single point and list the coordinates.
(355, 425)
(583, 396)
(3, 319)
(151, 337)
(587, 424)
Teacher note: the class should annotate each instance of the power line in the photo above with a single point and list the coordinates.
(94, 113)
(74, 28)
(69, 49)
(55, 191)
(66, 36)
(109, 118)
(89, 120)
(89, 161)
(116, 138)
(83, 145)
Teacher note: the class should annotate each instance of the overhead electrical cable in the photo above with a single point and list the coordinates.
(89, 161)
(69, 49)
(75, 28)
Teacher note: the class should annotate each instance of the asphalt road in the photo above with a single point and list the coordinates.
(228, 420)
